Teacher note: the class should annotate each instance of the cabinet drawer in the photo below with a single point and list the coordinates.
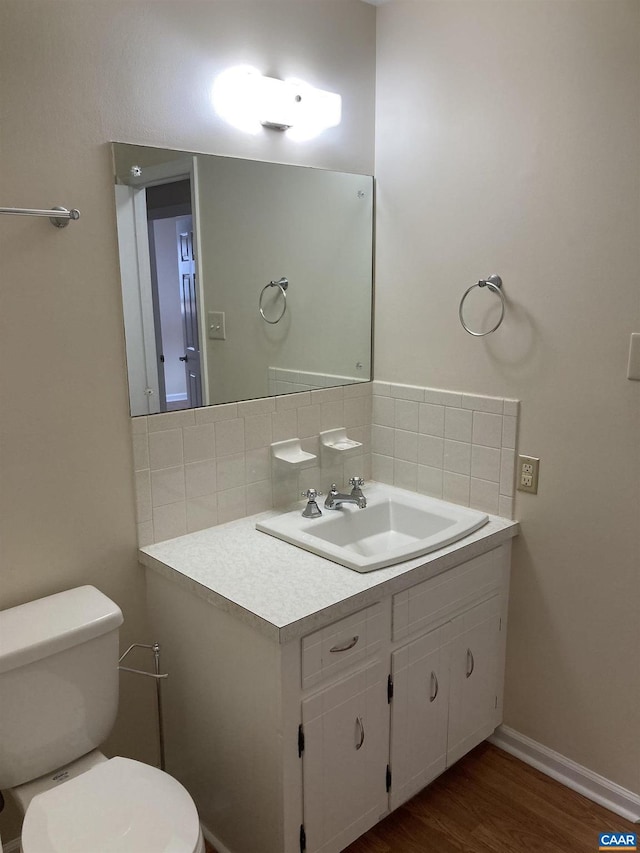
(341, 644)
(446, 595)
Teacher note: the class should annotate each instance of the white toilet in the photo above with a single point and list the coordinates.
(58, 702)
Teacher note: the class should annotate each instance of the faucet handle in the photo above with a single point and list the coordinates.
(311, 494)
(356, 481)
(311, 510)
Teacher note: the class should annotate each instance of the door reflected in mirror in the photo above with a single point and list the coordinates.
(207, 244)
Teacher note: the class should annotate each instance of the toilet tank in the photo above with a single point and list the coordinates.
(58, 681)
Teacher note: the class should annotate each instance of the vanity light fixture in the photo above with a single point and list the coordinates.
(249, 101)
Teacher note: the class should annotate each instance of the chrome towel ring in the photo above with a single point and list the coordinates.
(494, 284)
(283, 284)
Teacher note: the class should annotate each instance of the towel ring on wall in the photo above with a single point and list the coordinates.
(494, 283)
(283, 284)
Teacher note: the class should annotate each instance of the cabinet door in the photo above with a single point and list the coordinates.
(475, 653)
(420, 672)
(344, 763)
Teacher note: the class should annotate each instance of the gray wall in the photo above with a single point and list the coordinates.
(507, 141)
(74, 76)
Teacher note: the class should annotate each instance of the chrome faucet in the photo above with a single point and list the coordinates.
(335, 499)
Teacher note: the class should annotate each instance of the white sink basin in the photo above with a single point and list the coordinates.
(395, 526)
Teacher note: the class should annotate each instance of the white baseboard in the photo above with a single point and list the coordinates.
(11, 846)
(602, 791)
(219, 846)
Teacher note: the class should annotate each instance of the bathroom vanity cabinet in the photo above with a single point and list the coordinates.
(302, 739)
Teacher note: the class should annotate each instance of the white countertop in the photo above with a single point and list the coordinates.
(285, 592)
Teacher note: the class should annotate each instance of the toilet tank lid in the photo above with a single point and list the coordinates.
(37, 629)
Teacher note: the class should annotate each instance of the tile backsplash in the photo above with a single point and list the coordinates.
(450, 445)
(201, 467)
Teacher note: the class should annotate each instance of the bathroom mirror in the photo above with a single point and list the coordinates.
(240, 278)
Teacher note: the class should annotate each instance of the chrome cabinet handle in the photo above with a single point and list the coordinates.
(470, 663)
(360, 725)
(346, 646)
(434, 687)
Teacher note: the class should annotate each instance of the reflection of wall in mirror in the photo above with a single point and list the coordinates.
(260, 221)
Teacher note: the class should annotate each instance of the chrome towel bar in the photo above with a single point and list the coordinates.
(58, 216)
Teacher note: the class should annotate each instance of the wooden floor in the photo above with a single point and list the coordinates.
(489, 802)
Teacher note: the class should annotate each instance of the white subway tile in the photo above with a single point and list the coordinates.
(407, 415)
(358, 389)
(405, 474)
(332, 415)
(258, 497)
(327, 395)
(230, 437)
(431, 452)
(511, 407)
(442, 398)
(407, 392)
(257, 431)
(169, 521)
(382, 389)
(487, 429)
(293, 401)
(261, 406)
(167, 486)
(383, 411)
(484, 496)
(213, 414)
(509, 427)
(202, 513)
(139, 425)
(382, 468)
(143, 496)
(478, 403)
(257, 465)
(140, 451)
(145, 534)
(457, 424)
(308, 421)
(165, 449)
(507, 472)
(457, 457)
(431, 419)
(200, 479)
(232, 504)
(382, 440)
(505, 506)
(230, 471)
(405, 445)
(485, 463)
(455, 488)
(430, 481)
(171, 420)
(198, 442)
(354, 412)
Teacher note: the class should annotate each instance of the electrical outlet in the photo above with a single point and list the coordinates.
(528, 467)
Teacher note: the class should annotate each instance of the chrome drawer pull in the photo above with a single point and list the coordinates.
(470, 662)
(360, 725)
(346, 646)
(434, 687)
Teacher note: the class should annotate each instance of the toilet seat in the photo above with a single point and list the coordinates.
(119, 806)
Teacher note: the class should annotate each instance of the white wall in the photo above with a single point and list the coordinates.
(507, 141)
(75, 75)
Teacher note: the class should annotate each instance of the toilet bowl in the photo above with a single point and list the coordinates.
(59, 686)
(118, 806)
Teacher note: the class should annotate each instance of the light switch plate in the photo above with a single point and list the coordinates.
(633, 369)
(215, 326)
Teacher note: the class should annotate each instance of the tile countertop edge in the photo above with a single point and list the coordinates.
(417, 570)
